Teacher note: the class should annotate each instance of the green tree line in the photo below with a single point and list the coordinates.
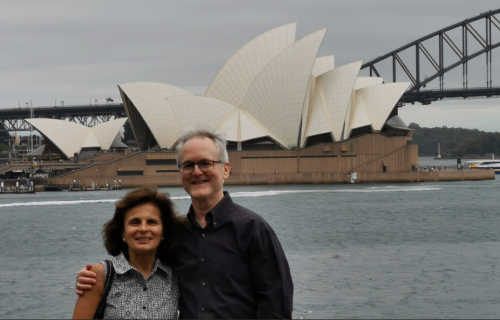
(4, 137)
(455, 142)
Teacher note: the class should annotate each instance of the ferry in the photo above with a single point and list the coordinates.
(480, 164)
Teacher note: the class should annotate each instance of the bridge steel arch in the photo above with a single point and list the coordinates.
(415, 92)
(87, 115)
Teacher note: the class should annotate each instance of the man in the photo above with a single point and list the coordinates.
(230, 263)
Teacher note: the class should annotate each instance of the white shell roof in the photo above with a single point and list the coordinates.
(251, 128)
(237, 75)
(308, 101)
(322, 65)
(90, 140)
(70, 137)
(380, 100)
(337, 86)
(317, 121)
(106, 132)
(150, 100)
(231, 126)
(240, 126)
(67, 136)
(277, 95)
(358, 116)
(267, 88)
(192, 111)
(363, 82)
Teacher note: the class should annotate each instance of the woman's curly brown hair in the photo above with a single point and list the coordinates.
(172, 225)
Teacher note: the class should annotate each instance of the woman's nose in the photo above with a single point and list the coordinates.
(143, 227)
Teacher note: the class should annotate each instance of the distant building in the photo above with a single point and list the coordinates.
(273, 90)
(289, 117)
(66, 138)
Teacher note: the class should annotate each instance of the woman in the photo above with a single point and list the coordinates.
(142, 235)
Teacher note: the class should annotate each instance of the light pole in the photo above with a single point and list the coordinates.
(50, 164)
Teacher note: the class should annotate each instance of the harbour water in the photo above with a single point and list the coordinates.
(420, 250)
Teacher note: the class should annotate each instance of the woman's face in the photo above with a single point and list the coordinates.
(143, 229)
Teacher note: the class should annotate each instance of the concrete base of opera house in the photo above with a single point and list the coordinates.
(307, 178)
(362, 177)
(375, 158)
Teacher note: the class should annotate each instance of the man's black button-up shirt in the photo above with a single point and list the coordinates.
(235, 267)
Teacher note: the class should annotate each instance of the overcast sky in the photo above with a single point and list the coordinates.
(76, 51)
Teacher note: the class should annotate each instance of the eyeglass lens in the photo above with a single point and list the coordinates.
(204, 166)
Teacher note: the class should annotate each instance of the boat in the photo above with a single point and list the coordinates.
(484, 164)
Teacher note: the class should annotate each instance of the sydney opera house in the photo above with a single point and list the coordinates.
(67, 139)
(288, 115)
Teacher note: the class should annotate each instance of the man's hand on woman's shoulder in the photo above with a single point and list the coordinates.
(85, 279)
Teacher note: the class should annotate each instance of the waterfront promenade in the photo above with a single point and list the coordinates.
(301, 178)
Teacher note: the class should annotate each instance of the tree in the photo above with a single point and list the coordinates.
(457, 142)
(4, 134)
(128, 134)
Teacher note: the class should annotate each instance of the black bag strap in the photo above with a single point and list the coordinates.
(110, 274)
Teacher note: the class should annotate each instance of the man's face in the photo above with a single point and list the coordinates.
(203, 186)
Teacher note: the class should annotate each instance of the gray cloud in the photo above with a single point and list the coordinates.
(73, 51)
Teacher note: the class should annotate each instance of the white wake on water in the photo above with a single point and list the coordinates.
(64, 203)
(370, 190)
(234, 195)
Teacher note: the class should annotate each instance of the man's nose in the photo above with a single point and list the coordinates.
(197, 171)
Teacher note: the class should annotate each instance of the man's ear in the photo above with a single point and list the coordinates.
(227, 170)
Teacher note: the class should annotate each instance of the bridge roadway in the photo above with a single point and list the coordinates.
(55, 165)
(63, 111)
(427, 96)
(88, 115)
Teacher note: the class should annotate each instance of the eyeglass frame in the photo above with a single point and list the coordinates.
(198, 164)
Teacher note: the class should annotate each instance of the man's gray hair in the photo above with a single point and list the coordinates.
(218, 138)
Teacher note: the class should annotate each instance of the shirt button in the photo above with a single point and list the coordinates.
(202, 260)
(144, 307)
(203, 284)
(203, 235)
(202, 309)
(215, 223)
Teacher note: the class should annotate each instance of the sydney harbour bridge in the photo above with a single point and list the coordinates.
(470, 40)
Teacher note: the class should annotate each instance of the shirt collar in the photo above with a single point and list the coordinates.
(217, 214)
(121, 265)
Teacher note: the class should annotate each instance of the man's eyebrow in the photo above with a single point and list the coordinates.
(204, 159)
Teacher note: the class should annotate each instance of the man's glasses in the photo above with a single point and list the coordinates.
(205, 166)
